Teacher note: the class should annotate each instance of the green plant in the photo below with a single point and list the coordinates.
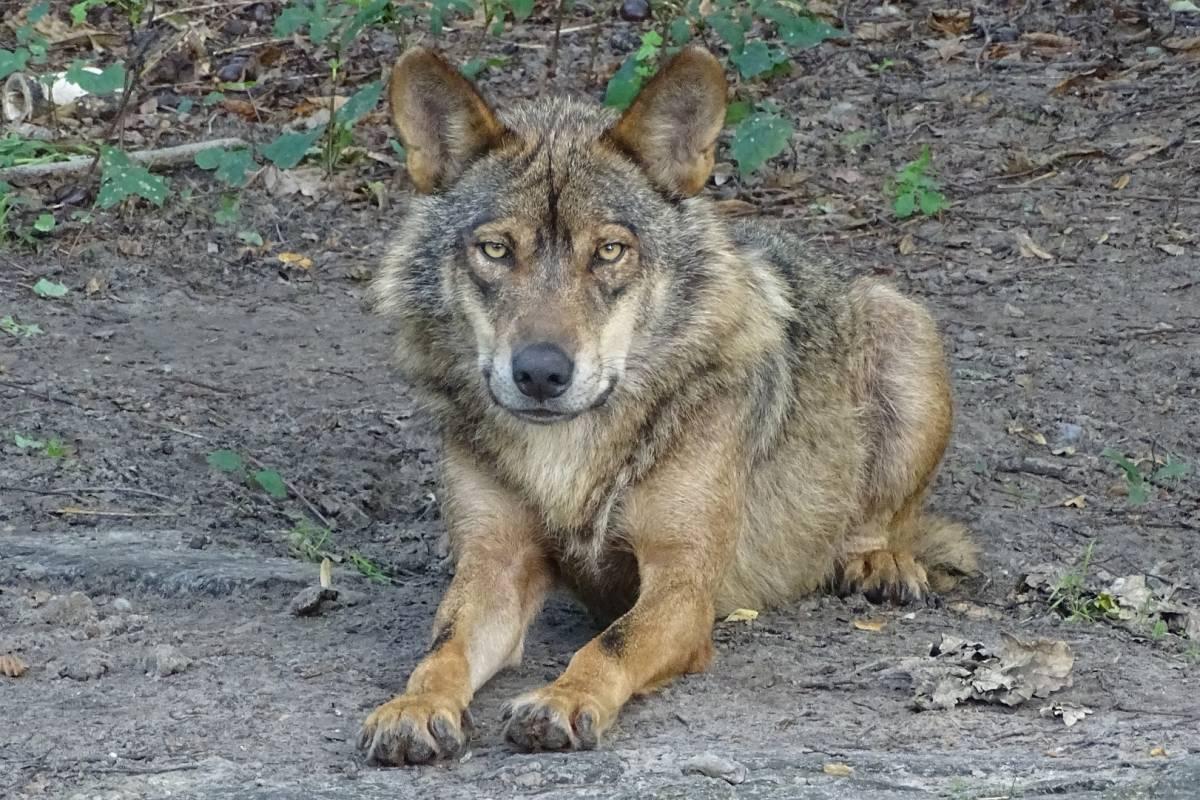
(121, 178)
(51, 448)
(31, 46)
(49, 289)
(231, 462)
(1138, 484)
(9, 325)
(914, 189)
(760, 137)
(369, 569)
(308, 541)
(1070, 596)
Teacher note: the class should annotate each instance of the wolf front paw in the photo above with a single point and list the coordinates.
(885, 576)
(415, 729)
(555, 718)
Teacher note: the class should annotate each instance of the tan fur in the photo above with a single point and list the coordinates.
(742, 426)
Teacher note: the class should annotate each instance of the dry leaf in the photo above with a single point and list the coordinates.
(1069, 713)
(1181, 43)
(869, 624)
(1030, 248)
(1122, 182)
(1158, 752)
(1078, 501)
(1025, 433)
(296, 260)
(950, 21)
(906, 245)
(243, 108)
(326, 573)
(838, 769)
(1048, 44)
(1151, 145)
(880, 31)
(1171, 249)
(12, 666)
(742, 615)
(94, 285)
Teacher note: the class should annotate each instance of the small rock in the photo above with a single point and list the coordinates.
(713, 766)
(198, 542)
(308, 601)
(75, 608)
(122, 606)
(164, 660)
(88, 665)
(1013, 311)
(1069, 432)
(635, 10)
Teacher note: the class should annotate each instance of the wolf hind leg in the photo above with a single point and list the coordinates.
(898, 553)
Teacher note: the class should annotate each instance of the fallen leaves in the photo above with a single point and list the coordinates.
(12, 666)
(958, 671)
(873, 625)
(838, 769)
(295, 260)
(950, 21)
(742, 615)
(1069, 713)
(1028, 248)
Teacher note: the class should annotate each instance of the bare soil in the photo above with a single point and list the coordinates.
(1069, 296)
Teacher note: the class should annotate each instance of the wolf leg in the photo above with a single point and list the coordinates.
(897, 551)
(681, 525)
(501, 578)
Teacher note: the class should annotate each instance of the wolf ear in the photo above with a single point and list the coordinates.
(671, 129)
(442, 121)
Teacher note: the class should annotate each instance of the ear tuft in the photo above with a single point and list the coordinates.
(672, 127)
(441, 119)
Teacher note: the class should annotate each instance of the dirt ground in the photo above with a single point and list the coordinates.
(1069, 296)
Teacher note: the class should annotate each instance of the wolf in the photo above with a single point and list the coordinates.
(669, 410)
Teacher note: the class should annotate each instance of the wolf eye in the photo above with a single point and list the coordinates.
(610, 252)
(494, 250)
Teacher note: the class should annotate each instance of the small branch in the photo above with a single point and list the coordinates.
(74, 490)
(157, 157)
(552, 66)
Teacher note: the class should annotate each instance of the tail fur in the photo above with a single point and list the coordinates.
(946, 551)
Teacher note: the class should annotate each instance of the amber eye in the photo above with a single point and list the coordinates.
(610, 252)
(494, 250)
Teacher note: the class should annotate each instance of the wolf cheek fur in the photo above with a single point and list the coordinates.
(671, 412)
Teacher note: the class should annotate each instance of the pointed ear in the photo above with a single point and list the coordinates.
(442, 121)
(671, 129)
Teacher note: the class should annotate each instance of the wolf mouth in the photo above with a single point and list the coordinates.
(547, 416)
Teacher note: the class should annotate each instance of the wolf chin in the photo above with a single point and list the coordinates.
(668, 410)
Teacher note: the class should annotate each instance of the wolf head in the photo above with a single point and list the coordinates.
(563, 241)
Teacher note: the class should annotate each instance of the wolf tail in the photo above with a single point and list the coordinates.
(946, 551)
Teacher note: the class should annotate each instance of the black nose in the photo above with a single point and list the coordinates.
(542, 370)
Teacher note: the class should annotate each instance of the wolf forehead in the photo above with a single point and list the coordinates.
(556, 150)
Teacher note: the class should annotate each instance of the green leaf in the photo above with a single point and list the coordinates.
(107, 81)
(212, 98)
(291, 19)
(755, 59)
(931, 202)
(1117, 457)
(39, 10)
(398, 149)
(13, 328)
(370, 14)
(799, 30)
(652, 42)
(759, 138)
(230, 165)
(623, 86)
(229, 212)
(225, 461)
(521, 9)
(79, 10)
(270, 482)
(49, 289)
(477, 66)
(904, 205)
(681, 31)
(13, 61)
(185, 105)
(737, 111)
(121, 178)
(360, 104)
(251, 238)
(44, 223)
(1172, 470)
(729, 29)
(288, 150)
(1139, 493)
(24, 443)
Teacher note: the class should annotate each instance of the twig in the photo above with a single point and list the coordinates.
(224, 5)
(73, 511)
(74, 490)
(156, 157)
(202, 384)
(552, 67)
(47, 396)
(296, 492)
(247, 46)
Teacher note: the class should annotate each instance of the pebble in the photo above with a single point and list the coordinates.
(308, 601)
(87, 665)
(75, 608)
(713, 766)
(122, 606)
(635, 10)
(164, 660)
